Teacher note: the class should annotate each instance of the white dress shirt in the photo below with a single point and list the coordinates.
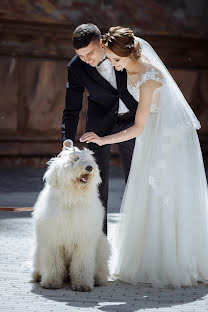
(106, 70)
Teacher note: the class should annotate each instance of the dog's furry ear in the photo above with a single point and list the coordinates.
(89, 151)
(51, 175)
(66, 151)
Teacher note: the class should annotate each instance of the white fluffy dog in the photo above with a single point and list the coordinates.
(68, 215)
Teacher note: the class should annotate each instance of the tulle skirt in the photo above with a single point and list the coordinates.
(162, 237)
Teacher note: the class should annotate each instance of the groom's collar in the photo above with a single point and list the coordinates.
(97, 77)
(105, 58)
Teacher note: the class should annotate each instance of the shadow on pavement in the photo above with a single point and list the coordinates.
(118, 296)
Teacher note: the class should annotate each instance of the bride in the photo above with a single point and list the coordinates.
(163, 232)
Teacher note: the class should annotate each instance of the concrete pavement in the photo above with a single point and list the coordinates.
(20, 187)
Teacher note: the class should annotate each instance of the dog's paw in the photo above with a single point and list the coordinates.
(51, 284)
(100, 281)
(82, 287)
(36, 277)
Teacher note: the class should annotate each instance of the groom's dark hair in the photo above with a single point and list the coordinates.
(84, 34)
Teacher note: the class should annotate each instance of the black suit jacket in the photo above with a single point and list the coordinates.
(103, 99)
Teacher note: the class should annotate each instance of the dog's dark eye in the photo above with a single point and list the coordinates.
(77, 158)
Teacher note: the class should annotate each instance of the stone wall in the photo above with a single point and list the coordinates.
(35, 47)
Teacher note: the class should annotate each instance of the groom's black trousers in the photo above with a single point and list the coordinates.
(102, 156)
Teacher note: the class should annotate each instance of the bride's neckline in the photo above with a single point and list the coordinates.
(143, 66)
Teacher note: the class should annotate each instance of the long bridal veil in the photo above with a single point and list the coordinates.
(184, 113)
(162, 236)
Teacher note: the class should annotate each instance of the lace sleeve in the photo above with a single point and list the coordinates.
(151, 74)
(135, 81)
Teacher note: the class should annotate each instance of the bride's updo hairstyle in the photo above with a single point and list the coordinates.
(121, 41)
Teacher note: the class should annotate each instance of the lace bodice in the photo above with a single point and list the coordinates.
(136, 80)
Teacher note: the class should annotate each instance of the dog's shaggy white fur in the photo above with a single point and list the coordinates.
(68, 215)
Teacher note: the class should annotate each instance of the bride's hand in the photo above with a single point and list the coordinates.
(91, 137)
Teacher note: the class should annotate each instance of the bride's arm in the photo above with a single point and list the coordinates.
(146, 95)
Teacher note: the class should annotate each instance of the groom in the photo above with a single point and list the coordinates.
(111, 108)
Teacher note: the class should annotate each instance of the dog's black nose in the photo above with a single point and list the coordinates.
(89, 168)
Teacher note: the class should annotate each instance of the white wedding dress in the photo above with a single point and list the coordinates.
(163, 232)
